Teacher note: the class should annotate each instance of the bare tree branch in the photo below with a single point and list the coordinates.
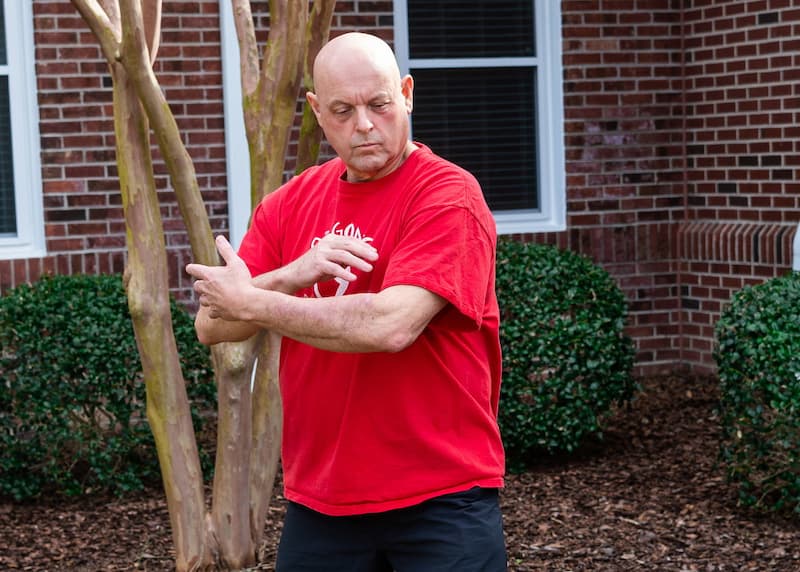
(111, 8)
(317, 33)
(248, 47)
(136, 60)
(147, 286)
(269, 113)
(151, 12)
(107, 31)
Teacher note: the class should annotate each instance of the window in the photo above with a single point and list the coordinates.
(488, 96)
(21, 222)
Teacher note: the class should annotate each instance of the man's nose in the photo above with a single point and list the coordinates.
(363, 122)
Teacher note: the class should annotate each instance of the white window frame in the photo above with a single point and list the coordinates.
(29, 241)
(237, 152)
(551, 215)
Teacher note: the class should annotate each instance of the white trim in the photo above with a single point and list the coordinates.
(236, 151)
(551, 117)
(435, 63)
(551, 215)
(30, 241)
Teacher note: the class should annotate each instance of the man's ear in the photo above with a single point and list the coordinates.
(407, 89)
(313, 101)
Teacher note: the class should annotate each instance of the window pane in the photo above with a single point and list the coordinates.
(8, 219)
(3, 59)
(485, 121)
(470, 28)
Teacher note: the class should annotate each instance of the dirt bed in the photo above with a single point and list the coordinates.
(649, 497)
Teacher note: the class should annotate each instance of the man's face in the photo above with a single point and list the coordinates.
(364, 114)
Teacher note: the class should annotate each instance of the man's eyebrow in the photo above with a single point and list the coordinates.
(381, 96)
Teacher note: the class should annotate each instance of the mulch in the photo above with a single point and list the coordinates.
(650, 496)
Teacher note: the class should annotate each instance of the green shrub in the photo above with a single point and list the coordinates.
(757, 351)
(72, 415)
(566, 359)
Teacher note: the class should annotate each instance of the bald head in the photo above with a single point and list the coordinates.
(351, 53)
(363, 105)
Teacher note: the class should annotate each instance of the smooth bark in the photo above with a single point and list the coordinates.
(249, 418)
(230, 515)
(136, 60)
(317, 33)
(147, 286)
(267, 422)
(270, 102)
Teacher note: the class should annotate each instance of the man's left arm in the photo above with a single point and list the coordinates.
(387, 321)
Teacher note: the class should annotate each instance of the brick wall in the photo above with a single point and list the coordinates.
(680, 136)
(84, 224)
(624, 157)
(743, 144)
(682, 155)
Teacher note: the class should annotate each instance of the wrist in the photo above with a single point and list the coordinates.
(278, 280)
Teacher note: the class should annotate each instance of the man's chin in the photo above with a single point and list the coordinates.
(365, 170)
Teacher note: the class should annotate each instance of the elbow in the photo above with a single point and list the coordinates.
(397, 340)
(214, 331)
(204, 335)
(207, 330)
(205, 339)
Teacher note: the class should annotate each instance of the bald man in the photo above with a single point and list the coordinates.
(377, 269)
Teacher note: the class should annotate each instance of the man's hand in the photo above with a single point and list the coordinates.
(222, 290)
(333, 256)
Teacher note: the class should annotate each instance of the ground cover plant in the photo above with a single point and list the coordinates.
(566, 358)
(758, 356)
(71, 394)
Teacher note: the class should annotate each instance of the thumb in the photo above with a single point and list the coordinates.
(226, 250)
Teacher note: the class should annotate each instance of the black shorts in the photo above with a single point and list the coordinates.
(460, 531)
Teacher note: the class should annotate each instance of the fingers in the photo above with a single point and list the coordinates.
(344, 259)
(226, 250)
(198, 271)
(202, 272)
(346, 251)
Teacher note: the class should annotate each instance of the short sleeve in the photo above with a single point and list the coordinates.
(260, 249)
(449, 251)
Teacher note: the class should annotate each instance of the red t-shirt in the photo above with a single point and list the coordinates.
(369, 432)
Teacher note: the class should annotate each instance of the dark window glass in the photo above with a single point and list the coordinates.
(3, 58)
(8, 218)
(483, 119)
(470, 28)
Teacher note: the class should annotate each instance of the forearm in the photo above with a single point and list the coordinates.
(234, 306)
(387, 321)
(278, 280)
(212, 331)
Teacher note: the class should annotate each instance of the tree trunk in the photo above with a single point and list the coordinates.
(319, 28)
(267, 425)
(136, 60)
(249, 418)
(147, 286)
(233, 364)
(269, 110)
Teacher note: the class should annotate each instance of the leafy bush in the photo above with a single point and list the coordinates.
(566, 360)
(757, 351)
(72, 398)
